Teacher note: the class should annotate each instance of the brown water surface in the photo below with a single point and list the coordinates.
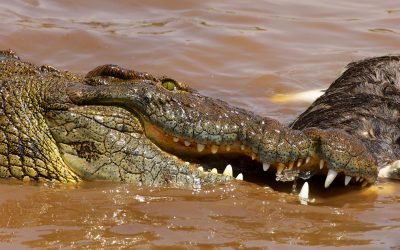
(243, 52)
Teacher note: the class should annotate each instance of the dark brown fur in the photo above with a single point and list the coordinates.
(365, 102)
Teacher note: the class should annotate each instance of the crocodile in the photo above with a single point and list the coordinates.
(119, 124)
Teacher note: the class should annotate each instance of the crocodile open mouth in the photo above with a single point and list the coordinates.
(240, 162)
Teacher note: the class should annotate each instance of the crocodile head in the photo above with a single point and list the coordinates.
(206, 133)
(122, 125)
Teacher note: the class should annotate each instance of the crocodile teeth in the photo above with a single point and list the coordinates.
(303, 195)
(299, 162)
(214, 171)
(242, 147)
(253, 156)
(291, 164)
(175, 139)
(200, 147)
(321, 164)
(228, 148)
(187, 143)
(239, 177)
(200, 169)
(330, 177)
(308, 159)
(266, 166)
(364, 183)
(214, 149)
(358, 178)
(228, 170)
(347, 180)
(280, 169)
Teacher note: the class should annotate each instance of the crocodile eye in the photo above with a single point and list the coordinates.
(170, 85)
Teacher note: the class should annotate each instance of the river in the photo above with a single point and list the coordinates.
(243, 52)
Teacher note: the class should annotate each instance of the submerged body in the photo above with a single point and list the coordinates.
(122, 125)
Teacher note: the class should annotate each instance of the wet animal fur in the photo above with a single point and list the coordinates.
(364, 101)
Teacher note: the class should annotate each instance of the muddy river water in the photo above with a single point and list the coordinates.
(243, 52)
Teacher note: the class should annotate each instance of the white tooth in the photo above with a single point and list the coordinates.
(214, 149)
(266, 166)
(291, 164)
(321, 164)
(308, 159)
(280, 169)
(187, 143)
(361, 179)
(200, 147)
(330, 177)
(187, 163)
(364, 183)
(175, 139)
(228, 170)
(239, 177)
(214, 171)
(299, 162)
(303, 195)
(228, 148)
(200, 169)
(253, 156)
(242, 147)
(347, 180)
(358, 178)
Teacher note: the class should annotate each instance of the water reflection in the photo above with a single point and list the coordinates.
(237, 214)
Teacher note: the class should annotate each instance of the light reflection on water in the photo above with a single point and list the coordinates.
(102, 214)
